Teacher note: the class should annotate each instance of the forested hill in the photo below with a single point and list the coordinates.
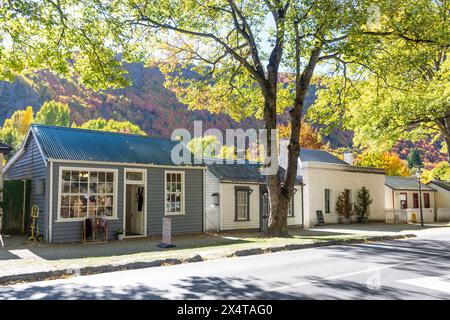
(146, 102)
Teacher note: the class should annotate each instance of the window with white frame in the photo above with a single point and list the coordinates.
(242, 204)
(87, 193)
(174, 192)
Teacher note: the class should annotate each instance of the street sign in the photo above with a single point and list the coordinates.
(320, 219)
(167, 230)
(166, 233)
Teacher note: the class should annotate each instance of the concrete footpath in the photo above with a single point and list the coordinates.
(25, 262)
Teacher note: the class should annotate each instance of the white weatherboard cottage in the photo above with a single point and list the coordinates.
(442, 199)
(236, 198)
(403, 203)
(325, 177)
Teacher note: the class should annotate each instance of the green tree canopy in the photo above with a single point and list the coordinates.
(112, 126)
(238, 49)
(414, 160)
(400, 91)
(204, 146)
(72, 37)
(54, 113)
(390, 162)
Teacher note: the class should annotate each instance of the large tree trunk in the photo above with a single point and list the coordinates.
(444, 127)
(447, 142)
(447, 136)
(281, 192)
(277, 226)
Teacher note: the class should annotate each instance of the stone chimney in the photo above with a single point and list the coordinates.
(348, 157)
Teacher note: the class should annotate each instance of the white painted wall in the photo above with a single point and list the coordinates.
(212, 212)
(320, 176)
(442, 196)
(227, 207)
(443, 214)
(296, 220)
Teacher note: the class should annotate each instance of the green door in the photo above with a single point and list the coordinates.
(16, 206)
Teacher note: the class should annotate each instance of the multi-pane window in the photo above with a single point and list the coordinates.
(415, 200)
(426, 200)
(403, 201)
(174, 193)
(87, 193)
(242, 204)
(327, 200)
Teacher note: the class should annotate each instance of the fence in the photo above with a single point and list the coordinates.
(443, 214)
(394, 216)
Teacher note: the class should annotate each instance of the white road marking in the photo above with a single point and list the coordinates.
(25, 254)
(349, 274)
(435, 283)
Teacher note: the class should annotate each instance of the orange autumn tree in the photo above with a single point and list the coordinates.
(389, 161)
(309, 137)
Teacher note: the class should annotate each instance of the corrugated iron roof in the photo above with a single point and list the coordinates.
(319, 156)
(442, 184)
(64, 143)
(406, 183)
(241, 172)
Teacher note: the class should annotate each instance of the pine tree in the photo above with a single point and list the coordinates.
(362, 205)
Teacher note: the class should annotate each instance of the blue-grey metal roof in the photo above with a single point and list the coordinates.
(240, 171)
(442, 184)
(64, 143)
(405, 183)
(319, 156)
(4, 148)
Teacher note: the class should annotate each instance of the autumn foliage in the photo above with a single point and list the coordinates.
(390, 162)
(309, 137)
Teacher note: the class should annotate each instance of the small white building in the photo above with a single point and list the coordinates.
(402, 200)
(236, 198)
(442, 193)
(325, 177)
(442, 199)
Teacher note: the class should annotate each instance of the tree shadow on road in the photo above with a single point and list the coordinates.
(348, 289)
(427, 257)
(188, 288)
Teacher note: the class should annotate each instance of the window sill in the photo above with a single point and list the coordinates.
(82, 219)
(241, 220)
(168, 214)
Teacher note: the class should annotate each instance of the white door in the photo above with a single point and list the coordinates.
(135, 203)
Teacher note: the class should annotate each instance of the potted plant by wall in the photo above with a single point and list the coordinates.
(362, 205)
(344, 207)
(120, 234)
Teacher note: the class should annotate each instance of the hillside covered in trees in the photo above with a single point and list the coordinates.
(146, 103)
(149, 105)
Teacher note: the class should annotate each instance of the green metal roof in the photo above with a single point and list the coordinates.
(406, 183)
(240, 171)
(64, 143)
(319, 156)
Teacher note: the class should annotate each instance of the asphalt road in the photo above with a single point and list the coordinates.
(403, 269)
